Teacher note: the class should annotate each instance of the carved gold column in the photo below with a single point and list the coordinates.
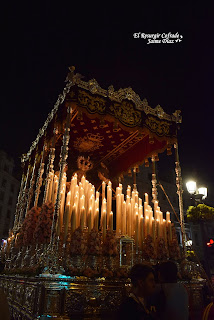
(24, 196)
(50, 165)
(40, 174)
(179, 185)
(63, 158)
(154, 181)
(16, 220)
(32, 182)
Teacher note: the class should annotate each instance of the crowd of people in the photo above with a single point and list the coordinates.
(155, 295)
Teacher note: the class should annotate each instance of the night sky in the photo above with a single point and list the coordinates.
(38, 44)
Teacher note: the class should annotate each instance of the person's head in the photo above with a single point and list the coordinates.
(167, 272)
(142, 279)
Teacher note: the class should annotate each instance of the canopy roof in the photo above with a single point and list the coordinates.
(113, 127)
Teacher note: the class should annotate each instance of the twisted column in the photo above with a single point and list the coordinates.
(154, 181)
(63, 158)
(50, 166)
(39, 178)
(24, 196)
(179, 185)
(32, 182)
(15, 225)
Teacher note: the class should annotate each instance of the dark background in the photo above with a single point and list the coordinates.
(39, 43)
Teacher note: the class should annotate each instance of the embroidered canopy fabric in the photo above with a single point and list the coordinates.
(112, 127)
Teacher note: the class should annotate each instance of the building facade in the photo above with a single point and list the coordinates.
(9, 187)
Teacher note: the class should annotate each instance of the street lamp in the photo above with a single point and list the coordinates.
(197, 194)
(191, 187)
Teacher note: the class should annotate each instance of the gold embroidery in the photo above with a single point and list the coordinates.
(126, 113)
(88, 143)
(93, 104)
(159, 127)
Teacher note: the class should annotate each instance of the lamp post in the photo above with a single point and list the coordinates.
(197, 195)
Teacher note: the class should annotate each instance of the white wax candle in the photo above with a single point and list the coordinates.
(104, 225)
(96, 219)
(129, 220)
(132, 216)
(158, 228)
(146, 198)
(141, 232)
(140, 202)
(103, 190)
(161, 223)
(170, 230)
(147, 225)
(83, 181)
(167, 217)
(73, 218)
(136, 197)
(82, 218)
(153, 228)
(111, 221)
(109, 203)
(155, 209)
(89, 219)
(68, 197)
(164, 230)
(136, 232)
(124, 218)
(128, 192)
(118, 214)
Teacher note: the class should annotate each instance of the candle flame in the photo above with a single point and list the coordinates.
(147, 217)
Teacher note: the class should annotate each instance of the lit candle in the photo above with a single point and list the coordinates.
(124, 218)
(153, 228)
(82, 218)
(104, 225)
(158, 228)
(132, 216)
(161, 223)
(111, 221)
(164, 230)
(167, 217)
(170, 230)
(136, 232)
(129, 220)
(118, 213)
(128, 192)
(74, 218)
(136, 197)
(96, 219)
(66, 220)
(147, 225)
(83, 181)
(89, 219)
(103, 190)
(140, 202)
(155, 208)
(141, 232)
(109, 202)
(146, 198)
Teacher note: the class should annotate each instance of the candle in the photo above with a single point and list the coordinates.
(158, 228)
(103, 190)
(129, 229)
(147, 226)
(83, 181)
(155, 208)
(141, 232)
(140, 202)
(118, 214)
(109, 202)
(96, 219)
(145, 208)
(167, 217)
(170, 230)
(104, 225)
(150, 221)
(73, 217)
(164, 230)
(66, 220)
(161, 223)
(111, 221)
(136, 197)
(82, 218)
(68, 198)
(153, 228)
(136, 232)
(135, 211)
(89, 219)
(146, 198)
(124, 218)
(128, 191)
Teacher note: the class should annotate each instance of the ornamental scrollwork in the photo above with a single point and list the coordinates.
(161, 128)
(93, 104)
(126, 113)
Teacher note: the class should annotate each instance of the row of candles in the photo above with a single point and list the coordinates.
(80, 208)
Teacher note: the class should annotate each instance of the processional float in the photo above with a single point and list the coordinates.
(73, 218)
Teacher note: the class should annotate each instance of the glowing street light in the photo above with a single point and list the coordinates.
(191, 187)
(203, 191)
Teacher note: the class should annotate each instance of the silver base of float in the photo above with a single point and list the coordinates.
(65, 297)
